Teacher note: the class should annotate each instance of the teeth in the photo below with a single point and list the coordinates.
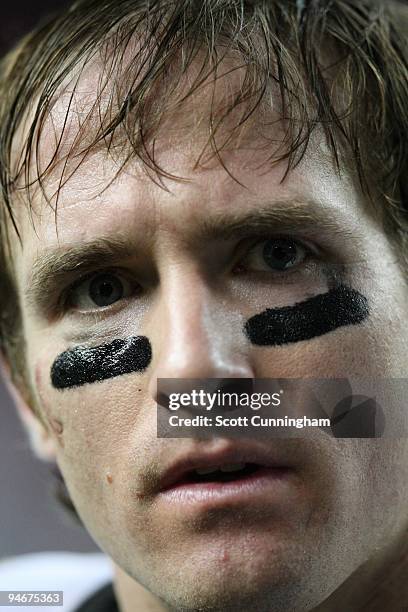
(232, 467)
(228, 467)
(203, 471)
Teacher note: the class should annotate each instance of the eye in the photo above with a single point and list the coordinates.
(277, 254)
(99, 291)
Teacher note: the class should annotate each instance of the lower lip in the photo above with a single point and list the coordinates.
(260, 483)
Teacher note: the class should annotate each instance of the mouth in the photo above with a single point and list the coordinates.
(233, 476)
(225, 473)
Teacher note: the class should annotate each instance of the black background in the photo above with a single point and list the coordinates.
(18, 18)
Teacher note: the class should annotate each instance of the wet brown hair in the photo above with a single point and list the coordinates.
(337, 65)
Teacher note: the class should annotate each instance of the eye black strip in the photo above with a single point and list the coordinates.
(83, 365)
(314, 317)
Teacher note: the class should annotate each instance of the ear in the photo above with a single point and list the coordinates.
(41, 441)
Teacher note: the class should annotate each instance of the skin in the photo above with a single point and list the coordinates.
(336, 537)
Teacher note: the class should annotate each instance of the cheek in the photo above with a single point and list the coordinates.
(79, 367)
(94, 417)
(90, 400)
(90, 397)
(100, 424)
(320, 336)
(339, 334)
(335, 334)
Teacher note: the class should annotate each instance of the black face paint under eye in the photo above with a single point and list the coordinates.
(314, 317)
(82, 365)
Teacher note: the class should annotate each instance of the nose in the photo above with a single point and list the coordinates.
(195, 335)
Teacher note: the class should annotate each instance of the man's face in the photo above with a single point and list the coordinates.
(189, 284)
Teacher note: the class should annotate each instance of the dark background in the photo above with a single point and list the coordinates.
(18, 18)
(30, 518)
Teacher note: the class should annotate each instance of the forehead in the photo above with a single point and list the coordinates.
(97, 195)
(98, 108)
(106, 105)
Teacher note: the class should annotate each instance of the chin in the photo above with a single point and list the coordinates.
(243, 597)
(281, 579)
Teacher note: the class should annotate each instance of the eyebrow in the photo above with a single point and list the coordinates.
(294, 216)
(51, 269)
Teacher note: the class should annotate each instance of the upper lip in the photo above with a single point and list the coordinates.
(213, 458)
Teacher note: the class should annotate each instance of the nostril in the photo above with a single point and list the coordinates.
(233, 388)
(237, 385)
(162, 399)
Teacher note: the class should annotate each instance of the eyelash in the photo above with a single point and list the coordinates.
(243, 251)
